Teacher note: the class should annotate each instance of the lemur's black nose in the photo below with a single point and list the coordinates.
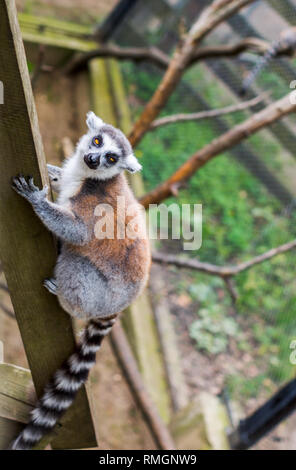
(92, 160)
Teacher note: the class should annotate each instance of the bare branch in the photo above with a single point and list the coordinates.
(230, 50)
(218, 11)
(264, 118)
(137, 54)
(128, 363)
(162, 60)
(213, 15)
(221, 271)
(230, 286)
(206, 114)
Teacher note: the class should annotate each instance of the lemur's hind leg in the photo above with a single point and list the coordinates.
(51, 285)
(55, 175)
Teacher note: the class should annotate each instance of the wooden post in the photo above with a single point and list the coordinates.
(27, 250)
(16, 401)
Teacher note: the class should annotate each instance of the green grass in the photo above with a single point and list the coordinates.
(240, 220)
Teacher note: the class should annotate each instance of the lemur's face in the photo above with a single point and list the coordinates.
(105, 150)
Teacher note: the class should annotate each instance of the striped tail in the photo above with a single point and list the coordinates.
(260, 65)
(60, 393)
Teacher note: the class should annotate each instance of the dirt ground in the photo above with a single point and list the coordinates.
(207, 372)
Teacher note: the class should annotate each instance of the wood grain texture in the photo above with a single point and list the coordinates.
(27, 250)
(17, 399)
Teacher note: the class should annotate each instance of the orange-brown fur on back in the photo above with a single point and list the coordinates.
(130, 256)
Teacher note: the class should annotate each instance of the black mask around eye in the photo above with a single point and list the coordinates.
(111, 158)
(97, 141)
(92, 160)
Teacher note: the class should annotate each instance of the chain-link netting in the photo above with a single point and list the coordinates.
(248, 193)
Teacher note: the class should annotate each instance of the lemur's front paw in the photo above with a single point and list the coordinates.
(27, 189)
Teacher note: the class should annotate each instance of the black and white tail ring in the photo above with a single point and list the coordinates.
(287, 41)
(60, 393)
(261, 64)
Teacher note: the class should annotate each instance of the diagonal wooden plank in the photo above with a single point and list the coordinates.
(26, 249)
(139, 319)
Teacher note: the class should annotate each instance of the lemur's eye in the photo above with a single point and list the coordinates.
(111, 158)
(97, 141)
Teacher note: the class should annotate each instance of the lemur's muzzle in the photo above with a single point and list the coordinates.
(92, 160)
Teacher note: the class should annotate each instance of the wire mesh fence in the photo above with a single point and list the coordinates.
(248, 194)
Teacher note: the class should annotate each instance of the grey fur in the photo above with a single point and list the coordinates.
(287, 40)
(59, 220)
(119, 138)
(89, 293)
(82, 288)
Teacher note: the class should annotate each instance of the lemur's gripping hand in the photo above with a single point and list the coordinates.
(28, 190)
(60, 221)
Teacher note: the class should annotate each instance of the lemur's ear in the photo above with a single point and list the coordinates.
(131, 164)
(93, 122)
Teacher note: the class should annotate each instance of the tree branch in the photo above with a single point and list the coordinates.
(205, 114)
(137, 54)
(230, 286)
(213, 15)
(221, 271)
(231, 50)
(235, 135)
(161, 59)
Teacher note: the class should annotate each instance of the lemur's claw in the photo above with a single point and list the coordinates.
(19, 184)
(32, 185)
(27, 188)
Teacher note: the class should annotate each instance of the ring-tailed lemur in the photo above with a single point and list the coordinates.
(95, 277)
(286, 41)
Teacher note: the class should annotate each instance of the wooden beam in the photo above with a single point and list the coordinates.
(139, 319)
(43, 23)
(27, 250)
(56, 33)
(17, 398)
(202, 424)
